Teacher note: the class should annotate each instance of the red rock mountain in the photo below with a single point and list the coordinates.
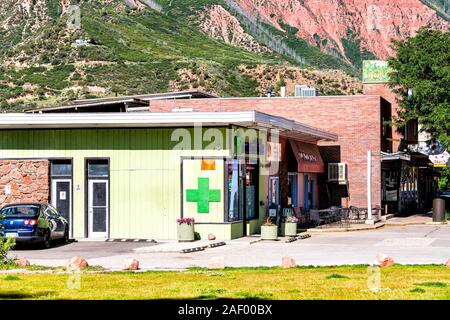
(373, 22)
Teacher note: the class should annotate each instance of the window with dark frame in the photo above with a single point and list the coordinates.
(240, 175)
(98, 169)
(61, 168)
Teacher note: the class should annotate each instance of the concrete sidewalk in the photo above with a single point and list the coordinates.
(422, 244)
(417, 219)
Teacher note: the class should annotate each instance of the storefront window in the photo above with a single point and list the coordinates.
(98, 168)
(293, 190)
(308, 189)
(234, 188)
(240, 175)
(61, 168)
(274, 190)
(251, 185)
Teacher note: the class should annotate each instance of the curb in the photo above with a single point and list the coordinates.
(375, 227)
(416, 224)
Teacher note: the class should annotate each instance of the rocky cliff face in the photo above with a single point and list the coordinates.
(343, 26)
(218, 23)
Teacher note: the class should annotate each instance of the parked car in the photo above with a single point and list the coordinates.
(34, 223)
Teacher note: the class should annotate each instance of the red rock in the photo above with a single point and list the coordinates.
(447, 263)
(211, 237)
(288, 262)
(42, 170)
(218, 23)
(27, 180)
(384, 260)
(379, 21)
(22, 262)
(77, 262)
(16, 175)
(131, 264)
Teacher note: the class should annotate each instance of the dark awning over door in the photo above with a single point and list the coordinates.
(308, 157)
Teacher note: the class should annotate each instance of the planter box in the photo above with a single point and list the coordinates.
(185, 232)
(289, 229)
(269, 233)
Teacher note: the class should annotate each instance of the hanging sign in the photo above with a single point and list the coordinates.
(440, 160)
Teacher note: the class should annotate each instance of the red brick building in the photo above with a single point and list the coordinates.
(357, 120)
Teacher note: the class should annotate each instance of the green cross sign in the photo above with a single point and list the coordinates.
(203, 196)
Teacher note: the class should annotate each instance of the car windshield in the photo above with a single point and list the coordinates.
(20, 211)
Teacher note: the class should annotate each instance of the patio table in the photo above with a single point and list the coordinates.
(365, 212)
(329, 215)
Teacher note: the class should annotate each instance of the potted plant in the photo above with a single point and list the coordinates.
(185, 229)
(269, 230)
(290, 226)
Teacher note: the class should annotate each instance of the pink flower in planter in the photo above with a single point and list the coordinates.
(186, 220)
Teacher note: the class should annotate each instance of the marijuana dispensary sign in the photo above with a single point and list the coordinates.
(375, 71)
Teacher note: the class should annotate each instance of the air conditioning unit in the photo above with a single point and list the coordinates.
(337, 172)
(305, 91)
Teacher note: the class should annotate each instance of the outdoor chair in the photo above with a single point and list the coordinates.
(345, 217)
(314, 218)
(355, 213)
(335, 214)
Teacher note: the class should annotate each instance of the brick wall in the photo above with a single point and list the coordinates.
(355, 119)
(384, 91)
(28, 180)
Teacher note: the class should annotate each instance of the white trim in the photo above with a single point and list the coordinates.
(54, 197)
(168, 119)
(91, 234)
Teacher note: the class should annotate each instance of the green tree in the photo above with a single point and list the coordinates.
(422, 64)
(5, 245)
(444, 180)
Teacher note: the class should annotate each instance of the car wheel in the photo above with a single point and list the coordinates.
(47, 242)
(66, 235)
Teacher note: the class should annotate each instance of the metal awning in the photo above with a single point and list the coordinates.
(308, 157)
(385, 156)
(249, 119)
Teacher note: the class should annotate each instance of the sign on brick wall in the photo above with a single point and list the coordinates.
(375, 71)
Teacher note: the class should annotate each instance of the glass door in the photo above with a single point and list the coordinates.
(98, 210)
(274, 191)
(62, 197)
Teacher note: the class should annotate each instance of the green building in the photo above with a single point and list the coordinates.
(132, 175)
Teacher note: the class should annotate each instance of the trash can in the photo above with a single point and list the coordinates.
(438, 210)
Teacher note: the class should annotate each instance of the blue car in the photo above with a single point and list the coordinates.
(33, 223)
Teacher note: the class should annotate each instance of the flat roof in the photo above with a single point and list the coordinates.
(139, 100)
(249, 119)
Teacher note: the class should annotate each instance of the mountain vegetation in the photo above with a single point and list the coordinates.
(124, 47)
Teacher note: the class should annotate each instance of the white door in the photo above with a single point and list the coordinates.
(98, 211)
(62, 198)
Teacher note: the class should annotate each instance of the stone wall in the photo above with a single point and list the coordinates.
(28, 181)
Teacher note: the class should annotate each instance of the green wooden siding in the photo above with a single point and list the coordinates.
(144, 173)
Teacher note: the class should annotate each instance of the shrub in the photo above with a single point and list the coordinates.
(5, 245)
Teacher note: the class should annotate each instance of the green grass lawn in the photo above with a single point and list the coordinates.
(346, 282)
